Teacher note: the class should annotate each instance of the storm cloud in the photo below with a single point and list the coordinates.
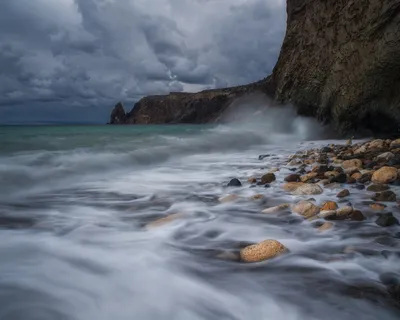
(72, 60)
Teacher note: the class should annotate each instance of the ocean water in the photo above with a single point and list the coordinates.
(75, 201)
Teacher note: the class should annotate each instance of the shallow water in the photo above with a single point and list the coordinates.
(74, 202)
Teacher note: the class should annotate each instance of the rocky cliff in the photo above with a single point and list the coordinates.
(339, 62)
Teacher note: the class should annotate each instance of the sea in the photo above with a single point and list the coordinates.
(76, 201)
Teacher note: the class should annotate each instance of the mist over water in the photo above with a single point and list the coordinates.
(74, 202)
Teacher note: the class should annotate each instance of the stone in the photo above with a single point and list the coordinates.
(306, 209)
(344, 193)
(228, 255)
(252, 180)
(292, 186)
(362, 149)
(385, 156)
(378, 187)
(329, 205)
(384, 175)
(377, 206)
(344, 212)
(376, 144)
(268, 178)
(356, 175)
(294, 162)
(385, 196)
(265, 250)
(228, 198)
(308, 189)
(293, 178)
(326, 226)
(366, 177)
(163, 221)
(330, 174)
(118, 115)
(394, 161)
(340, 178)
(356, 215)
(278, 208)
(274, 169)
(326, 149)
(327, 214)
(395, 144)
(308, 177)
(386, 220)
(354, 163)
(234, 183)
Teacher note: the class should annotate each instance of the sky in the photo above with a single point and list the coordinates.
(73, 60)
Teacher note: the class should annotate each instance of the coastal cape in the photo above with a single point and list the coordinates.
(339, 62)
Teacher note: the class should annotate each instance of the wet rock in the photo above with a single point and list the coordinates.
(366, 177)
(386, 220)
(353, 163)
(327, 214)
(292, 178)
(385, 156)
(388, 196)
(359, 187)
(292, 186)
(329, 205)
(377, 206)
(378, 187)
(308, 177)
(274, 169)
(228, 198)
(252, 180)
(384, 175)
(376, 144)
(340, 178)
(394, 161)
(356, 175)
(330, 174)
(275, 209)
(344, 193)
(344, 212)
(294, 162)
(263, 156)
(356, 215)
(326, 226)
(395, 144)
(228, 255)
(306, 209)
(265, 250)
(268, 178)
(163, 221)
(234, 183)
(308, 189)
(327, 149)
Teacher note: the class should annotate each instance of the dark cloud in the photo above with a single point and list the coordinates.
(73, 59)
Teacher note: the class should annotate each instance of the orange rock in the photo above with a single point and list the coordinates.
(384, 175)
(329, 205)
(377, 206)
(326, 226)
(354, 163)
(252, 180)
(262, 251)
(292, 186)
(356, 175)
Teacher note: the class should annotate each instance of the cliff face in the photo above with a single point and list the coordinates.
(340, 62)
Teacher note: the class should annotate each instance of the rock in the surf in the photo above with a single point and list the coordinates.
(385, 196)
(265, 250)
(386, 220)
(384, 175)
(268, 178)
(306, 209)
(308, 189)
(234, 183)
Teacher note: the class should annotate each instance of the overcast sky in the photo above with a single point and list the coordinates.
(72, 60)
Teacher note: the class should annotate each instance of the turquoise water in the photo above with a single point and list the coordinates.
(75, 201)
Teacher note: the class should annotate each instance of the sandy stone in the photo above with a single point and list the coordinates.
(354, 163)
(228, 198)
(292, 186)
(395, 144)
(327, 214)
(306, 209)
(384, 175)
(344, 193)
(329, 205)
(163, 221)
(343, 213)
(262, 251)
(276, 208)
(252, 180)
(385, 156)
(268, 178)
(377, 206)
(308, 189)
(362, 149)
(376, 144)
(326, 226)
(330, 174)
(356, 215)
(356, 175)
(308, 176)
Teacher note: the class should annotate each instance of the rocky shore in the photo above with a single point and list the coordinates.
(366, 172)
